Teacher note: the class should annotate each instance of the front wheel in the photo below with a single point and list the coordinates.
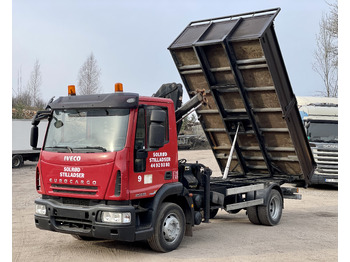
(271, 214)
(169, 228)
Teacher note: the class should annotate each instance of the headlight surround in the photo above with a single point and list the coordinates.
(40, 209)
(116, 217)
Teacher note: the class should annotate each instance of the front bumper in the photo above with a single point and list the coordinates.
(318, 179)
(86, 221)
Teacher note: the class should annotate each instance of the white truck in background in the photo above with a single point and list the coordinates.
(320, 118)
(21, 149)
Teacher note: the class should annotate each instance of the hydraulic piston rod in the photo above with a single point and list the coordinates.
(231, 154)
(191, 105)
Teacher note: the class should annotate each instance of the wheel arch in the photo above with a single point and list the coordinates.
(174, 193)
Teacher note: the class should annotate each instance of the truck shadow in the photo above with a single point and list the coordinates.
(138, 246)
(324, 187)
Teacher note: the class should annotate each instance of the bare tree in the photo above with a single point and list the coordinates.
(89, 77)
(19, 81)
(25, 101)
(33, 85)
(326, 54)
(21, 97)
(333, 20)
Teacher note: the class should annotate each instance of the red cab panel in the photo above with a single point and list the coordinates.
(83, 175)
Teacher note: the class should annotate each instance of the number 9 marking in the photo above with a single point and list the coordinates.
(139, 178)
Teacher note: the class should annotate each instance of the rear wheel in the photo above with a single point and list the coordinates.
(253, 215)
(169, 228)
(271, 214)
(17, 161)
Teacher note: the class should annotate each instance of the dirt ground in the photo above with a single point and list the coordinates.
(308, 231)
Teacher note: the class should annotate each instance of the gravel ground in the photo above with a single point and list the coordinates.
(308, 231)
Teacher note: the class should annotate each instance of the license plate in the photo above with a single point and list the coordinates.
(331, 180)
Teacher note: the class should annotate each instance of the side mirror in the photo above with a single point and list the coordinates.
(34, 134)
(58, 124)
(157, 129)
(158, 116)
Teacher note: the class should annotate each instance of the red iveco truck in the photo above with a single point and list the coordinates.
(109, 166)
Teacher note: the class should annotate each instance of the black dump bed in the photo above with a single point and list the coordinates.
(237, 60)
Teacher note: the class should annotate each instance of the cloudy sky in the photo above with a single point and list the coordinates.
(130, 39)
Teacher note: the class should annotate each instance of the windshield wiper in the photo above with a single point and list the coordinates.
(92, 147)
(65, 147)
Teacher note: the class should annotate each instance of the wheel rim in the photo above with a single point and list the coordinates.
(275, 207)
(171, 228)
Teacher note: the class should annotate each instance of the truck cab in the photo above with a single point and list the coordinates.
(106, 155)
(320, 118)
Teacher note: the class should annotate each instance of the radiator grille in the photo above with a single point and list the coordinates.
(327, 161)
(74, 189)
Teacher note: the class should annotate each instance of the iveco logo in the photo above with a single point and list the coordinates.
(72, 158)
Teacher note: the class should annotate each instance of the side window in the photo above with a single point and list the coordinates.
(140, 142)
(140, 139)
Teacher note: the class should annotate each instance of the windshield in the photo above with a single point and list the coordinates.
(87, 130)
(323, 132)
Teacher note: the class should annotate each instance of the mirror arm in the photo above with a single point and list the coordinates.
(40, 115)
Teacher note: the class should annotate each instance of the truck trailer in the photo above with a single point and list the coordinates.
(21, 150)
(320, 118)
(109, 166)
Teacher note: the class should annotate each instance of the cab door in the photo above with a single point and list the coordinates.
(152, 167)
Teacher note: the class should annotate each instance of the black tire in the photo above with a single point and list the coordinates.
(169, 228)
(253, 215)
(271, 214)
(17, 161)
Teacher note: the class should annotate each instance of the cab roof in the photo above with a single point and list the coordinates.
(111, 100)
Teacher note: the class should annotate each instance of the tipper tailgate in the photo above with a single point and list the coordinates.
(237, 60)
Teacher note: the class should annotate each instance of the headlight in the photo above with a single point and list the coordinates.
(116, 217)
(40, 209)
